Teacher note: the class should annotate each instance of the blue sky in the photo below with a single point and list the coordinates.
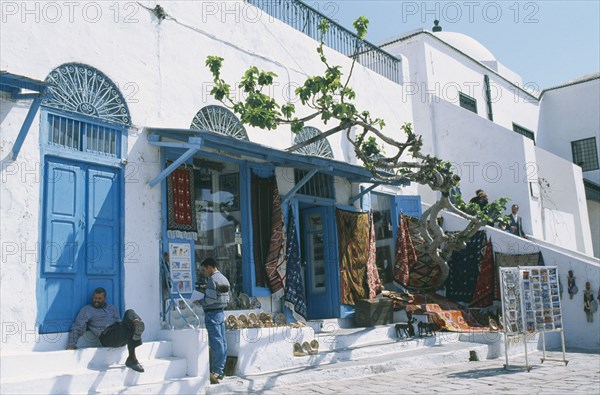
(546, 42)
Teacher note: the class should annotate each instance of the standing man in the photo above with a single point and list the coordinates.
(102, 319)
(215, 300)
(516, 222)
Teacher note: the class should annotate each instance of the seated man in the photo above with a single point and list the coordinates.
(103, 320)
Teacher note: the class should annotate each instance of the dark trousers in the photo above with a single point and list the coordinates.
(121, 333)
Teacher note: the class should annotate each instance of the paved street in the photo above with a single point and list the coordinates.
(580, 376)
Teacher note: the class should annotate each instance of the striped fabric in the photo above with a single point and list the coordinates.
(275, 265)
(373, 280)
(354, 239)
(295, 298)
(412, 269)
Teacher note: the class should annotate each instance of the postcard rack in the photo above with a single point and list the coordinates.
(531, 304)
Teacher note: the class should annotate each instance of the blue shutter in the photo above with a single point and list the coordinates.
(62, 246)
(103, 227)
(409, 205)
(81, 240)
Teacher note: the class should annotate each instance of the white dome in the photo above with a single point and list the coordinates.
(467, 44)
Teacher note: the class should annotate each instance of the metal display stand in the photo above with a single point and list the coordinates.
(531, 304)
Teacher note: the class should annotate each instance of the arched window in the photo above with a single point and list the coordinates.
(85, 90)
(318, 148)
(219, 120)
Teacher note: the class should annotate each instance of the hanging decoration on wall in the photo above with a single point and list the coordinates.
(413, 269)
(571, 287)
(560, 287)
(275, 265)
(590, 306)
(181, 215)
(295, 298)
(484, 290)
(464, 269)
(353, 240)
(373, 280)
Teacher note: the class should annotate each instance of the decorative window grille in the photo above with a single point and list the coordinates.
(467, 102)
(320, 185)
(585, 153)
(84, 90)
(219, 120)
(320, 148)
(523, 131)
(82, 136)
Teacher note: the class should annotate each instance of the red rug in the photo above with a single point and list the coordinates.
(445, 314)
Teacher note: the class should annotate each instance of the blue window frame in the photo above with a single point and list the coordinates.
(89, 137)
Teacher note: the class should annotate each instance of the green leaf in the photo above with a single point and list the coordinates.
(288, 110)
(220, 91)
(324, 26)
(361, 24)
(214, 64)
(266, 78)
(297, 126)
(370, 148)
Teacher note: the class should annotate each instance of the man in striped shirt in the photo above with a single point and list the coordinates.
(102, 319)
(216, 299)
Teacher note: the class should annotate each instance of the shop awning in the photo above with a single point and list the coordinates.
(23, 88)
(193, 141)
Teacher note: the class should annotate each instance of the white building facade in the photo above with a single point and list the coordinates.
(91, 133)
(85, 188)
(499, 122)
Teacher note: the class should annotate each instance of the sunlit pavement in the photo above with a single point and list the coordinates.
(580, 376)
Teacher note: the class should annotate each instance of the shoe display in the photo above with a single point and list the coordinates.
(134, 364)
(314, 347)
(306, 348)
(298, 351)
(138, 329)
(214, 379)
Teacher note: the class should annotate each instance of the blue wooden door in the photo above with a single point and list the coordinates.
(319, 263)
(80, 241)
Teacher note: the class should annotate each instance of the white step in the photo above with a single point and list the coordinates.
(371, 349)
(185, 385)
(91, 380)
(422, 357)
(32, 363)
(341, 338)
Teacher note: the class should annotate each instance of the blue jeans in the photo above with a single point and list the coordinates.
(215, 325)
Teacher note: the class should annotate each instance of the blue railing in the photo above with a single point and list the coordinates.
(306, 19)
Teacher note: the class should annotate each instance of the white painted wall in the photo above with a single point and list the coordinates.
(568, 114)
(442, 71)
(562, 196)
(19, 227)
(489, 157)
(594, 215)
(438, 73)
(160, 70)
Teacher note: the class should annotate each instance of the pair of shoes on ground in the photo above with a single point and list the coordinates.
(215, 378)
(138, 329)
(134, 364)
(305, 348)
